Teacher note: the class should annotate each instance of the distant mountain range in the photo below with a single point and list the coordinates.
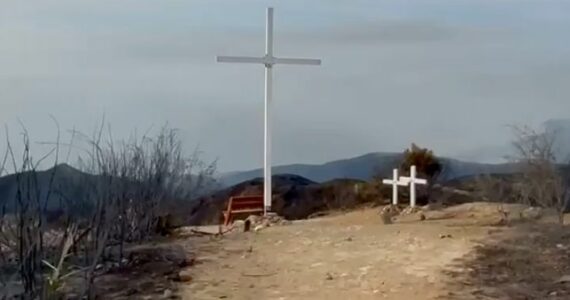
(64, 187)
(68, 188)
(381, 163)
(365, 167)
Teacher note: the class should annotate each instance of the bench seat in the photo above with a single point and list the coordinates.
(241, 205)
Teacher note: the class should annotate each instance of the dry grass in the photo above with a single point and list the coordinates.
(523, 262)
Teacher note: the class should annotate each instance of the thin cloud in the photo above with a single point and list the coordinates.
(448, 76)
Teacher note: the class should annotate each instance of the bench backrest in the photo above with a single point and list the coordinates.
(245, 202)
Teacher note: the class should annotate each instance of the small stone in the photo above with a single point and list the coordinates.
(563, 279)
(329, 276)
(432, 206)
(410, 210)
(349, 239)
(131, 291)
(72, 296)
(532, 213)
(444, 236)
(553, 294)
(386, 218)
(146, 285)
(184, 276)
(159, 289)
(422, 217)
(253, 219)
(187, 262)
(167, 294)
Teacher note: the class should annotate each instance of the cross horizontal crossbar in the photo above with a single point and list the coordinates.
(241, 59)
(399, 182)
(416, 180)
(268, 60)
(298, 61)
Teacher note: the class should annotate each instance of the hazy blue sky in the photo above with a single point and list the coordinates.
(446, 74)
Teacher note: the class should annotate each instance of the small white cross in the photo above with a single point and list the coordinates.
(395, 182)
(413, 180)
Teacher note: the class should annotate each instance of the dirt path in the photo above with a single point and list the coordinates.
(352, 256)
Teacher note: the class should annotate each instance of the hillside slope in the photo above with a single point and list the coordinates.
(67, 188)
(294, 197)
(365, 167)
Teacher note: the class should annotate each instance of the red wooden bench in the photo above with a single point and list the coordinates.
(242, 205)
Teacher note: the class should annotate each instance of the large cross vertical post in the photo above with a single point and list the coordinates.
(268, 60)
(267, 187)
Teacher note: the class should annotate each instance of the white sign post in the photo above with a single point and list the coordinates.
(268, 60)
(395, 182)
(413, 180)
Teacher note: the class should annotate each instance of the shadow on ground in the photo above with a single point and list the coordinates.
(527, 261)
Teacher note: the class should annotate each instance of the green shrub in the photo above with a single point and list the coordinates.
(427, 164)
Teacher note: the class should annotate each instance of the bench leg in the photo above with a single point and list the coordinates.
(227, 219)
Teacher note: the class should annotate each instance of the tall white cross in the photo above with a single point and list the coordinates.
(395, 182)
(413, 180)
(268, 60)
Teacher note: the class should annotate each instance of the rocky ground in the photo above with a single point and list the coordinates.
(473, 251)
(470, 251)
